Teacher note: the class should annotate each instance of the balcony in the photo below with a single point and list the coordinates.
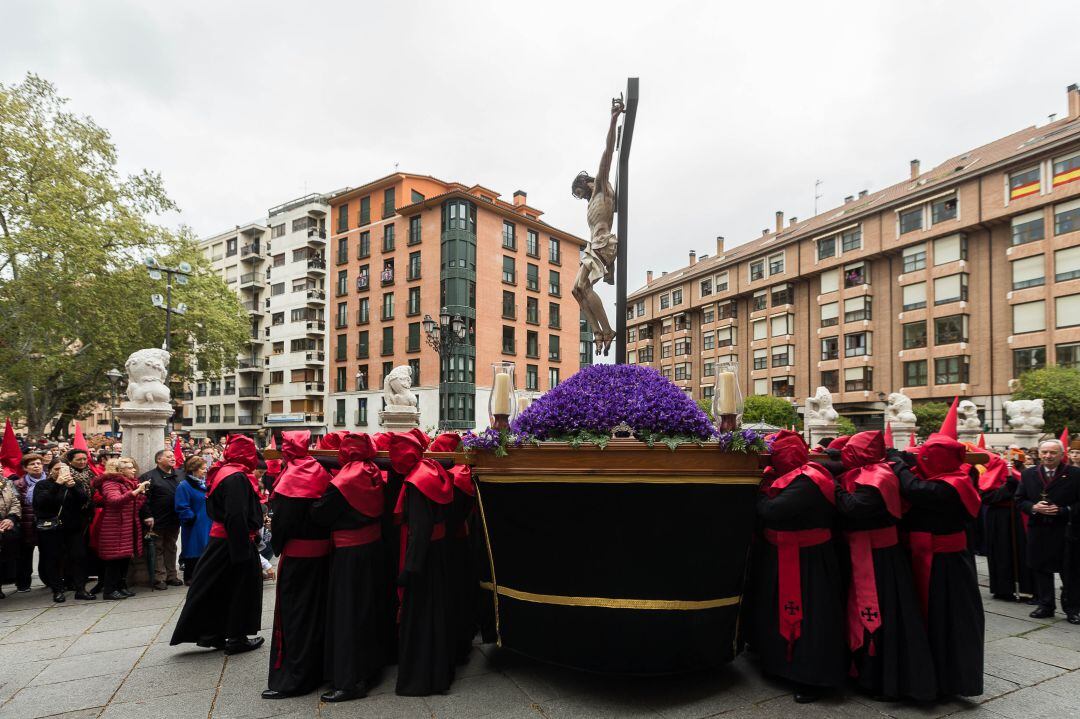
(251, 253)
(248, 393)
(314, 387)
(249, 279)
(186, 396)
(316, 237)
(315, 327)
(315, 358)
(246, 420)
(250, 364)
(316, 297)
(186, 421)
(316, 266)
(254, 307)
(255, 339)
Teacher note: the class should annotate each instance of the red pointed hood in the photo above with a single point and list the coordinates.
(427, 475)
(359, 480)
(888, 436)
(421, 436)
(327, 441)
(789, 457)
(356, 447)
(295, 444)
(948, 427)
(864, 458)
(839, 442)
(382, 441)
(862, 449)
(79, 441)
(981, 444)
(941, 458)
(240, 456)
(445, 442)
(303, 477)
(789, 451)
(10, 453)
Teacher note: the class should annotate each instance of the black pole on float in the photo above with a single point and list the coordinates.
(622, 196)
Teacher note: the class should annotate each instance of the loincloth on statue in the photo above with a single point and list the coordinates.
(598, 257)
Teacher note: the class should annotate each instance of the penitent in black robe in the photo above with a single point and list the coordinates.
(895, 661)
(818, 655)
(1005, 540)
(954, 621)
(426, 636)
(296, 647)
(391, 561)
(225, 597)
(460, 558)
(355, 639)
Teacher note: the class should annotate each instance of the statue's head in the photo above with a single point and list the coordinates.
(147, 364)
(582, 188)
(401, 373)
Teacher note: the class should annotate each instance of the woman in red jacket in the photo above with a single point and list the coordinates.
(119, 531)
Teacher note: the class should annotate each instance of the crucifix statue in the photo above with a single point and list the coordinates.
(598, 259)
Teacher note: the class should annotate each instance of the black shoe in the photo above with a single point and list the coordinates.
(1073, 618)
(340, 695)
(1042, 613)
(85, 596)
(160, 586)
(174, 582)
(59, 597)
(275, 694)
(21, 590)
(1031, 602)
(806, 695)
(239, 646)
(126, 592)
(114, 596)
(210, 642)
(2, 595)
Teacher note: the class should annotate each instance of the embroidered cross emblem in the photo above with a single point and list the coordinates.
(791, 608)
(868, 614)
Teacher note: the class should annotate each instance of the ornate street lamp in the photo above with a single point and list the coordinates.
(445, 337)
(114, 376)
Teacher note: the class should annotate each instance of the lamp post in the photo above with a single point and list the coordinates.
(114, 376)
(181, 273)
(444, 337)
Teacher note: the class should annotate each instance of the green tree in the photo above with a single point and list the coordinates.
(776, 411)
(929, 416)
(844, 426)
(1059, 389)
(74, 293)
(705, 405)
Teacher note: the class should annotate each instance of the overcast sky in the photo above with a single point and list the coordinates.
(244, 105)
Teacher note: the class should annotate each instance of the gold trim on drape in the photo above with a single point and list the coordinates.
(611, 603)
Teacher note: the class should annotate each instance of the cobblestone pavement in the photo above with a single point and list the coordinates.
(112, 660)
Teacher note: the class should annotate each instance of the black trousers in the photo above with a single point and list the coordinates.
(189, 568)
(24, 566)
(62, 560)
(1044, 591)
(114, 574)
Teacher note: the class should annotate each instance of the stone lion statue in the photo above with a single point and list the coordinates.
(967, 416)
(899, 409)
(147, 371)
(1025, 414)
(397, 389)
(819, 407)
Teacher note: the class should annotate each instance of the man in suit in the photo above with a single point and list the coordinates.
(159, 514)
(1046, 493)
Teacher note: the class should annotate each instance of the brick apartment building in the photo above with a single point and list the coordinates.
(951, 282)
(405, 246)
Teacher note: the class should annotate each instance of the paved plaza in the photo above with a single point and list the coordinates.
(112, 660)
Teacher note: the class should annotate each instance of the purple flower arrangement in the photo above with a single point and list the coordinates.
(588, 406)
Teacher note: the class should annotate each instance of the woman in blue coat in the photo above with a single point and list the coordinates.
(191, 508)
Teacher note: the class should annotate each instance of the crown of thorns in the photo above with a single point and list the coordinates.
(582, 180)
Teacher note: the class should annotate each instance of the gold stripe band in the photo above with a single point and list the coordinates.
(635, 479)
(604, 602)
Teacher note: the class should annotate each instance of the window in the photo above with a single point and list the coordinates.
(911, 220)
(858, 379)
(342, 250)
(776, 264)
(362, 344)
(1027, 359)
(830, 380)
(554, 251)
(727, 310)
(782, 295)
(532, 378)
(631, 335)
(414, 266)
(342, 282)
(942, 209)
(708, 369)
(388, 272)
(761, 386)
(277, 289)
(278, 318)
(388, 306)
(915, 374)
(553, 347)
(726, 337)
(509, 275)
(342, 314)
(414, 230)
(759, 301)
(363, 312)
(553, 284)
(1028, 272)
(857, 309)
(215, 413)
(950, 249)
(914, 258)
(851, 240)
(757, 270)
(279, 260)
(759, 330)
(665, 350)
(361, 410)
(363, 245)
(1028, 227)
(508, 343)
(1068, 355)
(388, 238)
(830, 281)
(951, 329)
(340, 383)
(415, 197)
(855, 275)
(388, 203)
(826, 248)
(532, 243)
(341, 347)
(388, 340)
(532, 277)
(708, 341)
(277, 231)
(645, 354)
(1066, 264)
(830, 348)
(1024, 183)
(414, 301)
(951, 370)
(665, 327)
(682, 346)
(761, 359)
(1067, 309)
(532, 310)
(721, 282)
(277, 377)
(1066, 169)
(783, 387)
(856, 344)
(554, 316)
(914, 335)
(830, 314)
(951, 288)
(914, 296)
(665, 301)
(365, 210)
(1067, 217)
(553, 378)
(215, 388)
(682, 371)
(532, 344)
(509, 309)
(343, 218)
(676, 297)
(706, 288)
(509, 241)
(783, 356)
(708, 314)
(781, 325)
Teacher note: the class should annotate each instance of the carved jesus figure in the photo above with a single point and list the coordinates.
(598, 260)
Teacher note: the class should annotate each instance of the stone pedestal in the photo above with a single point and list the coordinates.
(901, 433)
(399, 418)
(968, 435)
(143, 426)
(1025, 438)
(820, 430)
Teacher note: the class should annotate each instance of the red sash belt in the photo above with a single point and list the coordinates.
(923, 546)
(863, 609)
(217, 530)
(789, 579)
(357, 537)
(306, 548)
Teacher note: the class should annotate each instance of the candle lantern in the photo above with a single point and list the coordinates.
(502, 404)
(727, 400)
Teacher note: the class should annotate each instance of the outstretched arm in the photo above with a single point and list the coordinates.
(609, 149)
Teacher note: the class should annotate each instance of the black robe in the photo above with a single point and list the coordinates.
(464, 589)
(296, 646)
(900, 663)
(1047, 535)
(955, 620)
(391, 550)
(1005, 540)
(225, 597)
(426, 636)
(818, 656)
(355, 636)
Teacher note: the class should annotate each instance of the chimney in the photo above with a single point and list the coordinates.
(779, 220)
(648, 277)
(1074, 101)
(719, 245)
(765, 232)
(848, 199)
(519, 198)
(914, 169)
(663, 274)
(693, 257)
(793, 221)
(862, 193)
